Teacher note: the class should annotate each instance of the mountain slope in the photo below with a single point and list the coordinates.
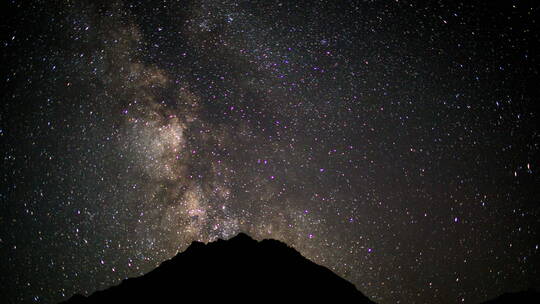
(240, 270)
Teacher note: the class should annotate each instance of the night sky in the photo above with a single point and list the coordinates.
(391, 142)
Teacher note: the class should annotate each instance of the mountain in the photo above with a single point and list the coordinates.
(243, 270)
(238, 270)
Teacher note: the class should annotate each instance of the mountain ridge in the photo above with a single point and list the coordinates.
(244, 270)
(240, 269)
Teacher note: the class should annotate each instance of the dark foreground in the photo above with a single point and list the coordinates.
(243, 270)
(238, 270)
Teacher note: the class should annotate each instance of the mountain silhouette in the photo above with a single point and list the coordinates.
(239, 270)
(243, 270)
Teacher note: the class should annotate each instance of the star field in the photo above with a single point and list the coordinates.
(391, 142)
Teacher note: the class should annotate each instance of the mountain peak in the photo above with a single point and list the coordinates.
(242, 237)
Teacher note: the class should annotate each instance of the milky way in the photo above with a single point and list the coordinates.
(393, 143)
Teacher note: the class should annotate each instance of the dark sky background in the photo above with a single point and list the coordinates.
(392, 142)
